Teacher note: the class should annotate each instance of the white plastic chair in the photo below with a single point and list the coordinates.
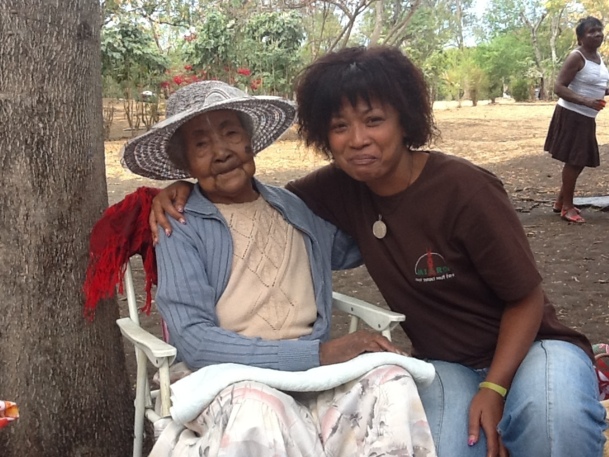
(150, 349)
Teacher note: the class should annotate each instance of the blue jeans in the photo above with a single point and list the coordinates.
(551, 410)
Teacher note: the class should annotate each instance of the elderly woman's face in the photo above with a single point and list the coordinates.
(220, 156)
(593, 37)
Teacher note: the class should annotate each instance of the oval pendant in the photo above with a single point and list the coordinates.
(379, 229)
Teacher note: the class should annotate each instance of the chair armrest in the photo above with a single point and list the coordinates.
(155, 349)
(380, 319)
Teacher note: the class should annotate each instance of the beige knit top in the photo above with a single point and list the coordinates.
(270, 291)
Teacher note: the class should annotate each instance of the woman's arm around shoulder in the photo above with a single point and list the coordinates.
(170, 202)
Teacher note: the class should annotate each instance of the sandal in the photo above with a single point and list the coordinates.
(572, 215)
(558, 209)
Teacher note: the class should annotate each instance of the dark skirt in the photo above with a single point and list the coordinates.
(572, 138)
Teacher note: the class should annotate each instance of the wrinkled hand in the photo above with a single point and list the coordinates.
(486, 411)
(170, 200)
(349, 346)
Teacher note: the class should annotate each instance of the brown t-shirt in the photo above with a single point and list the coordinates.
(454, 254)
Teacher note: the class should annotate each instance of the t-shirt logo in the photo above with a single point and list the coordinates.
(430, 267)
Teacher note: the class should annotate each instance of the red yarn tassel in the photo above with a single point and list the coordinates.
(120, 233)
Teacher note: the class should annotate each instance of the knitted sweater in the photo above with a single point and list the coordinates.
(194, 265)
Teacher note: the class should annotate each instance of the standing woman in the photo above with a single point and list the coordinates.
(581, 86)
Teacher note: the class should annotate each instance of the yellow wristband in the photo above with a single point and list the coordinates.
(496, 387)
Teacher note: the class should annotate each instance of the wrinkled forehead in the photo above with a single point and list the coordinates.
(212, 121)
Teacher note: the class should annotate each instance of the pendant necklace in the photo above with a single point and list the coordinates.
(379, 228)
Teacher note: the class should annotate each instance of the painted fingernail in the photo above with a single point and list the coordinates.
(180, 209)
(167, 232)
(471, 440)
(182, 221)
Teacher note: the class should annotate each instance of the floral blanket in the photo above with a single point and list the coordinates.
(366, 406)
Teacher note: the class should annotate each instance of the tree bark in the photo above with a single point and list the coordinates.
(378, 22)
(555, 33)
(67, 375)
(533, 28)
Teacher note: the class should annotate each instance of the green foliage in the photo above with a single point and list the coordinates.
(433, 68)
(500, 17)
(427, 34)
(321, 29)
(503, 59)
(521, 90)
(261, 47)
(463, 77)
(273, 41)
(215, 47)
(130, 57)
(267, 45)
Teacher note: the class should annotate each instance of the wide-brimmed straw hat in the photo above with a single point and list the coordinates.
(269, 117)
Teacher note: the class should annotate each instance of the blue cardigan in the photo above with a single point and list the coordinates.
(194, 266)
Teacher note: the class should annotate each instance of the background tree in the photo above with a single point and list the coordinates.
(67, 375)
(216, 44)
(132, 62)
(218, 39)
(504, 59)
(272, 42)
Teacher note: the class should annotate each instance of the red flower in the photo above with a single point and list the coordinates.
(178, 80)
(244, 71)
(188, 67)
(165, 84)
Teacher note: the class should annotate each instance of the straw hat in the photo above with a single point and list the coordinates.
(269, 117)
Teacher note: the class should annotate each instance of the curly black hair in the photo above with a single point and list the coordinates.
(383, 73)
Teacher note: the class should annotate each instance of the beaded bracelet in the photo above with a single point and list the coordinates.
(496, 387)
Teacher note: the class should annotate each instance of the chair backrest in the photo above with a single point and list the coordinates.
(148, 349)
(132, 302)
(130, 293)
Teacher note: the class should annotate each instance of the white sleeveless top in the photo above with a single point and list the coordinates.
(590, 81)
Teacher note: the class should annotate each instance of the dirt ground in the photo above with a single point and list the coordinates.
(507, 139)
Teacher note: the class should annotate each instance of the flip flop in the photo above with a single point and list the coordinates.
(572, 215)
(558, 209)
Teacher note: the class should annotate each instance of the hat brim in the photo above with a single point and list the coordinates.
(146, 155)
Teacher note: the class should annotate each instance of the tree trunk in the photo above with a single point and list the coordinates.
(459, 22)
(537, 50)
(556, 31)
(378, 22)
(67, 375)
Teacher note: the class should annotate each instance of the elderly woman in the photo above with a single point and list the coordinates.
(444, 245)
(247, 279)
